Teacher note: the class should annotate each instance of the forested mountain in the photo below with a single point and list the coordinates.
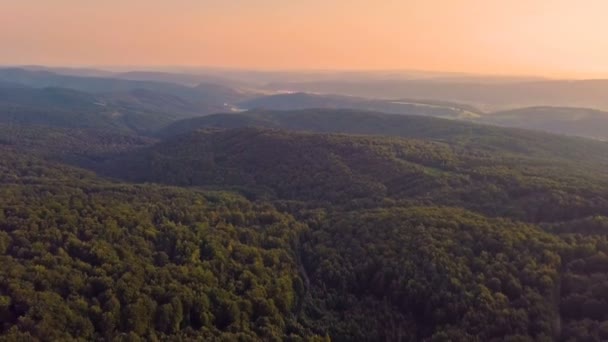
(189, 79)
(536, 144)
(137, 110)
(85, 259)
(206, 93)
(565, 120)
(583, 122)
(75, 145)
(344, 169)
(488, 96)
(295, 101)
(149, 100)
(327, 120)
(366, 227)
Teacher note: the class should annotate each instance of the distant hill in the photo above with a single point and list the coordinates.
(457, 170)
(137, 110)
(565, 120)
(326, 120)
(294, 101)
(72, 71)
(188, 79)
(72, 144)
(493, 138)
(487, 96)
(205, 94)
(583, 122)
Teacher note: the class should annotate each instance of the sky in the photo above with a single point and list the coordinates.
(520, 37)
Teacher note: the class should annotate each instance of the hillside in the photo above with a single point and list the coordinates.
(295, 101)
(564, 120)
(488, 96)
(450, 231)
(477, 174)
(583, 122)
(75, 145)
(328, 120)
(136, 110)
(491, 138)
(83, 257)
(206, 93)
(184, 78)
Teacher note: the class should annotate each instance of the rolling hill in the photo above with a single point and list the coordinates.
(346, 169)
(327, 120)
(202, 94)
(564, 120)
(137, 110)
(82, 257)
(438, 230)
(492, 138)
(488, 96)
(82, 146)
(584, 122)
(295, 101)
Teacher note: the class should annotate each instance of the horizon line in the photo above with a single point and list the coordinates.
(189, 68)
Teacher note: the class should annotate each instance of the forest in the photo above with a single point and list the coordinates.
(307, 225)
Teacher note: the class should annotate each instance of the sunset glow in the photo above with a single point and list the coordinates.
(541, 37)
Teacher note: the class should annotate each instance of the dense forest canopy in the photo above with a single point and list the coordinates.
(307, 225)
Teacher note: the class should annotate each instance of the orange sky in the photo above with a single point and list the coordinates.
(543, 37)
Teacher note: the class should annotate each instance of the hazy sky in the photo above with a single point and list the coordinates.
(550, 37)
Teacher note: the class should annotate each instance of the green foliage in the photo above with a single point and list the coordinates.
(363, 171)
(431, 274)
(93, 260)
(458, 232)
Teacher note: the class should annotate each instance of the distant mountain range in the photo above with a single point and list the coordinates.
(488, 96)
(563, 120)
(137, 110)
(146, 101)
(294, 101)
(208, 93)
(346, 121)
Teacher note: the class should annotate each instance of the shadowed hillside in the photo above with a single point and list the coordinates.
(400, 106)
(565, 120)
(135, 110)
(477, 174)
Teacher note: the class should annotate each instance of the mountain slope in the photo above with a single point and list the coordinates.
(564, 120)
(206, 94)
(75, 145)
(367, 237)
(487, 96)
(583, 122)
(135, 110)
(85, 258)
(345, 170)
(416, 274)
(490, 138)
(296, 101)
(82, 258)
(328, 120)
(385, 259)
(71, 109)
